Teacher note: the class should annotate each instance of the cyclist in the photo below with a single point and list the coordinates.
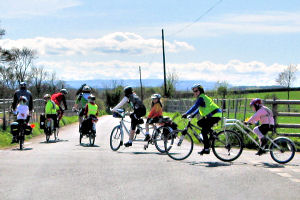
(264, 115)
(210, 112)
(139, 110)
(51, 109)
(58, 99)
(22, 92)
(22, 112)
(155, 113)
(82, 100)
(91, 113)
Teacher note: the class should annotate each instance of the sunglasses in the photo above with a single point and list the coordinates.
(195, 91)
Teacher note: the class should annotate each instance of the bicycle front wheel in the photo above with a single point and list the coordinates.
(178, 144)
(227, 145)
(282, 150)
(115, 138)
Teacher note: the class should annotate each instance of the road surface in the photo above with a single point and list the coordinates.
(65, 170)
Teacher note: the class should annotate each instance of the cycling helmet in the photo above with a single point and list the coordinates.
(256, 102)
(47, 96)
(64, 91)
(128, 90)
(23, 98)
(86, 89)
(156, 96)
(91, 98)
(199, 87)
(23, 85)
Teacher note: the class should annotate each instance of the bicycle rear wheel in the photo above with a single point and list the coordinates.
(92, 139)
(227, 145)
(115, 138)
(159, 139)
(283, 150)
(21, 140)
(178, 144)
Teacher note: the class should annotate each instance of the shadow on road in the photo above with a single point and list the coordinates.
(142, 153)
(24, 149)
(88, 145)
(53, 141)
(213, 164)
(274, 165)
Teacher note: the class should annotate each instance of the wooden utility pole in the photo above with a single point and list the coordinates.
(164, 62)
(142, 96)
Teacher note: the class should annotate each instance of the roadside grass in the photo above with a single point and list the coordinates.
(176, 117)
(6, 137)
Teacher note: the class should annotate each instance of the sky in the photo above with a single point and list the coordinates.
(241, 42)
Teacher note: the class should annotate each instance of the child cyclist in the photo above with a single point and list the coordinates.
(91, 113)
(51, 109)
(265, 116)
(139, 110)
(22, 112)
(155, 113)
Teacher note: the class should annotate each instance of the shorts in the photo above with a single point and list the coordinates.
(265, 128)
(136, 115)
(153, 120)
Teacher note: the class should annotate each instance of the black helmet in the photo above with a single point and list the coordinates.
(91, 98)
(23, 85)
(64, 91)
(86, 89)
(199, 87)
(128, 90)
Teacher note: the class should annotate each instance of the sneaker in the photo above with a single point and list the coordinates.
(128, 144)
(147, 138)
(260, 152)
(204, 151)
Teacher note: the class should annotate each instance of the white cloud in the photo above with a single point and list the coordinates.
(28, 8)
(119, 42)
(235, 71)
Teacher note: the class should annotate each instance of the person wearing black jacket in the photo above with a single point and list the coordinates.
(22, 92)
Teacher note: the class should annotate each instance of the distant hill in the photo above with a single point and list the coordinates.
(183, 85)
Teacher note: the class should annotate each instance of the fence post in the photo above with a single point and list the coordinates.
(245, 109)
(236, 107)
(228, 108)
(275, 113)
(4, 118)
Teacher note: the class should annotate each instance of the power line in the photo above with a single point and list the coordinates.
(197, 19)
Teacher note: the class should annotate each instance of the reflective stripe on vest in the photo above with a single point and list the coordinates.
(92, 109)
(210, 106)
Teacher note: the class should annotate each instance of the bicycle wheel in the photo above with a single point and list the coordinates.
(47, 137)
(80, 137)
(178, 144)
(159, 139)
(55, 134)
(92, 139)
(282, 150)
(21, 140)
(115, 138)
(227, 145)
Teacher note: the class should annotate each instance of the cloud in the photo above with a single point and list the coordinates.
(114, 43)
(235, 72)
(258, 23)
(29, 8)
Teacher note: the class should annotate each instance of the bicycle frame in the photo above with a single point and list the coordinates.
(241, 126)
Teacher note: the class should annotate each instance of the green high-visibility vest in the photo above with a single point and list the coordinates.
(209, 107)
(92, 109)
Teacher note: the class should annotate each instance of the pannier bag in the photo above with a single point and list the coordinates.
(28, 130)
(14, 126)
(42, 121)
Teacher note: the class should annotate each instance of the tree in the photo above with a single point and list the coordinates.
(222, 88)
(286, 78)
(38, 77)
(21, 60)
(172, 79)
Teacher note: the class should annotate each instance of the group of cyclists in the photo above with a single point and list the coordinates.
(87, 110)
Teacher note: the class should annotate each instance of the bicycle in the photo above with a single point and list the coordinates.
(49, 130)
(117, 134)
(282, 149)
(179, 144)
(90, 132)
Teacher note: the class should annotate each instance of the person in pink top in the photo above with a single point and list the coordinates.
(265, 116)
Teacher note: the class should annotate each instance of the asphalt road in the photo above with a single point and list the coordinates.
(66, 170)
